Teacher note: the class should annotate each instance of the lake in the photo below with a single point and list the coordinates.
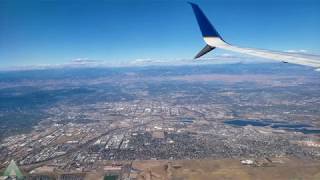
(304, 128)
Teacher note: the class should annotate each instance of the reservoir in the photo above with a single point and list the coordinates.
(304, 128)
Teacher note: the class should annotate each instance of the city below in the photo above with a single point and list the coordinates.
(161, 122)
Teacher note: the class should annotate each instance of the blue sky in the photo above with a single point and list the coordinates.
(56, 32)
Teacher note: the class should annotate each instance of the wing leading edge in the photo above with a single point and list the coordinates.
(214, 40)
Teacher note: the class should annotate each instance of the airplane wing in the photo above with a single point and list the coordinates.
(214, 40)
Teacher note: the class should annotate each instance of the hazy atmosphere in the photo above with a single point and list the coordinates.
(159, 90)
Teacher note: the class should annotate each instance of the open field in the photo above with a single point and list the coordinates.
(228, 169)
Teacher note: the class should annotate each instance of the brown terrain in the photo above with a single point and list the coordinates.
(280, 168)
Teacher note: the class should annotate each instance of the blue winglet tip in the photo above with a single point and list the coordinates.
(206, 27)
(191, 3)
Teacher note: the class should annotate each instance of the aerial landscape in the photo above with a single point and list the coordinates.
(78, 120)
(159, 90)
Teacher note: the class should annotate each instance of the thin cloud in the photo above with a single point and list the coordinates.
(296, 51)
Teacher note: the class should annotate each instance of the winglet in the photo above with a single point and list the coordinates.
(206, 27)
(204, 51)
